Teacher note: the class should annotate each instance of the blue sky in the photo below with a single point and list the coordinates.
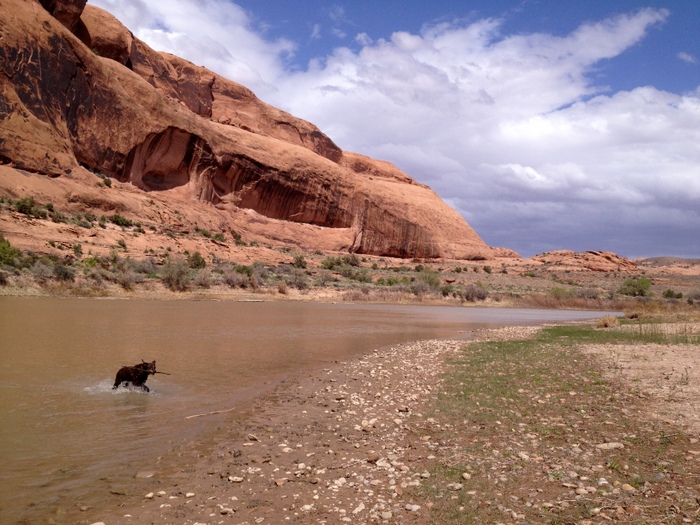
(547, 124)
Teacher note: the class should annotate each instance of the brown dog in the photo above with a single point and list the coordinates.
(135, 375)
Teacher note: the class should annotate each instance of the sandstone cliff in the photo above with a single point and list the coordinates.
(79, 92)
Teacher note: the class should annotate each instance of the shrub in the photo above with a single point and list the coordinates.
(638, 287)
(126, 278)
(120, 221)
(670, 294)
(330, 263)
(298, 280)
(27, 206)
(8, 254)
(202, 278)
(429, 277)
(196, 261)
(175, 274)
(3, 278)
(62, 272)
(488, 269)
(299, 262)
(235, 279)
(351, 260)
(473, 293)
(41, 271)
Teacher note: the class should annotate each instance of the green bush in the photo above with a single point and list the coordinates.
(8, 254)
(430, 278)
(120, 221)
(196, 261)
(671, 294)
(638, 287)
(299, 262)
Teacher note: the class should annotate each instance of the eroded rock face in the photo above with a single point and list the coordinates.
(98, 98)
(596, 261)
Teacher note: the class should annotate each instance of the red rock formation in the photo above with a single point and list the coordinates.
(98, 98)
(591, 260)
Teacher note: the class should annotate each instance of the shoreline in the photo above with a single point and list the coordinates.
(359, 442)
(330, 444)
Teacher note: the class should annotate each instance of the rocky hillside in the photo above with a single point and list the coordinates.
(95, 121)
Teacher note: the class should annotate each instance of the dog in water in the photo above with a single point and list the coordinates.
(135, 375)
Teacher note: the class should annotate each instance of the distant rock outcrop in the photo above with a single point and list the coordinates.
(591, 260)
(79, 91)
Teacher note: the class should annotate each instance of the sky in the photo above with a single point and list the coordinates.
(547, 124)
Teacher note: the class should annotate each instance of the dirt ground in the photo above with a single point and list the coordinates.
(667, 377)
(359, 443)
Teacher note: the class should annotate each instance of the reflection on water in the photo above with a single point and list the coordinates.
(63, 427)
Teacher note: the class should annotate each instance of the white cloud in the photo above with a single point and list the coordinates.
(510, 130)
(687, 57)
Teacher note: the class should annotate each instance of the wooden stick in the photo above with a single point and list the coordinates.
(211, 413)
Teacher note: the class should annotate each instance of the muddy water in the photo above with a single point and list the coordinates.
(64, 432)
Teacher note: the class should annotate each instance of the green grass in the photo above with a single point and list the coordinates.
(543, 397)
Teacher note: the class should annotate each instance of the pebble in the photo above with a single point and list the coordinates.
(145, 474)
(609, 446)
(412, 508)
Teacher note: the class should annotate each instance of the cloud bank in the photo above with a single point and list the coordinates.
(513, 131)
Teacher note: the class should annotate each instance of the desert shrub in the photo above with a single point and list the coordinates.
(196, 261)
(175, 274)
(298, 280)
(324, 277)
(126, 278)
(361, 275)
(488, 269)
(351, 260)
(119, 220)
(474, 293)
(429, 277)
(8, 254)
(41, 271)
(331, 263)
(560, 293)
(299, 262)
(63, 272)
(145, 267)
(3, 278)
(235, 279)
(638, 287)
(671, 294)
(607, 322)
(202, 278)
(447, 290)
(27, 206)
(243, 269)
